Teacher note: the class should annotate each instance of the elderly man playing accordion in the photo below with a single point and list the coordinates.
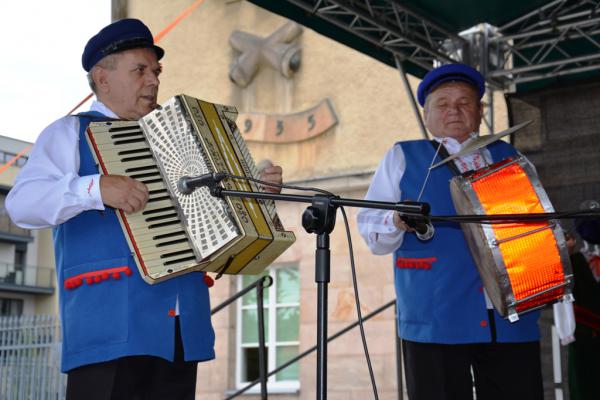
(122, 338)
(452, 336)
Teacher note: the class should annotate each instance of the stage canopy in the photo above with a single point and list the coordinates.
(518, 45)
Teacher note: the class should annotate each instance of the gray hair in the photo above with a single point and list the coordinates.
(108, 62)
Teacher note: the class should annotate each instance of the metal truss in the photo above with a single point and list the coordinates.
(389, 25)
(559, 38)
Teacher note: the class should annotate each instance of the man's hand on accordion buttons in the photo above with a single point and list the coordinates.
(123, 193)
(272, 174)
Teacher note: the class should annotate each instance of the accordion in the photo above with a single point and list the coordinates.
(177, 233)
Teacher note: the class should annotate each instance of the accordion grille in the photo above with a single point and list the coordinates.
(179, 153)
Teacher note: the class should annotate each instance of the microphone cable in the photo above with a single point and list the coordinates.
(357, 302)
(279, 185)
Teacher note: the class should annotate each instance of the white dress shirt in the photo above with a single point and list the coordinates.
(48, 190)
(377, 226)
(564, 321)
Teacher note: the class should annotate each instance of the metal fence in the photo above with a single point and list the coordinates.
(30, 358)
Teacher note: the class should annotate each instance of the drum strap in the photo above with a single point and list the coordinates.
(443, 155)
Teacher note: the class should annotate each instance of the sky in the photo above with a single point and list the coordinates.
(41, 77)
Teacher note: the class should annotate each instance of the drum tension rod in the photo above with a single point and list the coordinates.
(497, 242)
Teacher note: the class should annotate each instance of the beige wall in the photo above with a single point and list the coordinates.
(7, 177)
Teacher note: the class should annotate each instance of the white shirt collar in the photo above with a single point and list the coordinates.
(452, 145)
(103, 109)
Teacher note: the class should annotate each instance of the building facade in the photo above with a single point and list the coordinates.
(27, 279)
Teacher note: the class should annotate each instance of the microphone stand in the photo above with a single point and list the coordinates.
(318, 218)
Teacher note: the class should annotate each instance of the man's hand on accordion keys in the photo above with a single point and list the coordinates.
(123, 193)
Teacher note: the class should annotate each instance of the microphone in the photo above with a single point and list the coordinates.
(187, 184)
(423, 228)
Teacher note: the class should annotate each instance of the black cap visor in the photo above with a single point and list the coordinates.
(132, 43)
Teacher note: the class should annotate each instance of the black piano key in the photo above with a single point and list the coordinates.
(134, 151)
(176, 253)
(168, 235)
(128, 141)
(146, 175)
(179, 260)
(149, 181)
(160, 198)
(144, 168)
(171, 242)
(160, 217)
(160, 225)
(158, 210)
(128, 135)
(133, 128)
(136, 158)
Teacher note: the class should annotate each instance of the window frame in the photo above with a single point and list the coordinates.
(271, 306)
(10, 302)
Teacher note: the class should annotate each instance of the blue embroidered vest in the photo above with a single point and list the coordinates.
(107, 310)
(439, 292)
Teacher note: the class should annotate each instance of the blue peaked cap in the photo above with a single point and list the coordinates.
(124, 34)
(450, 73)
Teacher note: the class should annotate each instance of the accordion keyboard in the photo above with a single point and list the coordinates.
(160, 236)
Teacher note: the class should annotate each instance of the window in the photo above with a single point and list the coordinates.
(20, 257)
(6, 225)
(7, 156)
(10, 307)
(2, 203)
(282, 322)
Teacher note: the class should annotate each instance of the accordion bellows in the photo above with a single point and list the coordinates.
(178, 233)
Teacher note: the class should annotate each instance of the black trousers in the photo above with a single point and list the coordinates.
(501, 371)
(135, 378)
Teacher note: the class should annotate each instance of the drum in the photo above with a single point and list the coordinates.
(525, 265)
